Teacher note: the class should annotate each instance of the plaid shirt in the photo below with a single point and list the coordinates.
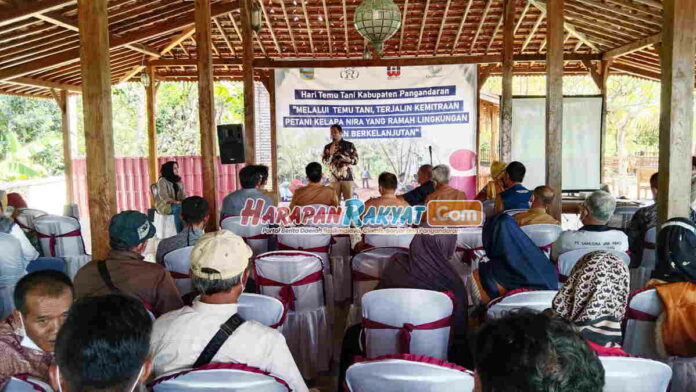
(341, 171)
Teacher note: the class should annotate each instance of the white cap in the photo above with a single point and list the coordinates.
(220, 255)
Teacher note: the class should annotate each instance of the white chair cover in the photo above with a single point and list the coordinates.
(394, 308)
(389, 240)
(165, 226)
(470, 247)
(320, 245)
(641, 274)
(367, 267)
(267, 310)
(61, 236)
(26, 218)
(307, 328)
(227, 377)
(253, 234)
(340, 266)
(543, 235)
(683, 374)
(535, 300)
(26, 384)
(178, 263)
(567, 260)
(399, 375)
(12, 268)
(622, 217)
(643, 311)
(623, 374)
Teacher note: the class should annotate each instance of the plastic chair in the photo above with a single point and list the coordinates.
(643, 310)
(320, 245)
(267, 310)
(408, 373)
(567, 260)
(536, 300)
(26, 384)
(367, 267)
(389, 240)
(26, 218)
(178, 263)
(165, 225)
(229, 377)
(297, 279)
(543, 235)
(252, 234)
(470, 247)
(61, 236)
(623, 374)
(12, 268)
(393, 317)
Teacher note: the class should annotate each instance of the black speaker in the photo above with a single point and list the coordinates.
(231, 141)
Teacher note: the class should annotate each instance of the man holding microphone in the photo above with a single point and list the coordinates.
(340, 155)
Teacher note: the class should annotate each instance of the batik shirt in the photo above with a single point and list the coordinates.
(340, 171)
(16, 358)
(643, 220)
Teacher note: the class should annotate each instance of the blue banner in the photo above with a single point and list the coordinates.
(401, 93)
(376, 110)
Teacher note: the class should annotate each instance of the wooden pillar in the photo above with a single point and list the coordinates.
(676, 108)
(248, 81)
(508, 64)
(274, 137)
(554, 102)
(65, 105)
(206, 108)
(151, 96)
(96, 97)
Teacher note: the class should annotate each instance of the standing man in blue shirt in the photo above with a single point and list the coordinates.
(515, 196)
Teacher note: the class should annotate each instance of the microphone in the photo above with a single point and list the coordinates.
(430, 149)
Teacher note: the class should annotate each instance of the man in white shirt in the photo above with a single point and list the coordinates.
(595, 234)
(219, 264)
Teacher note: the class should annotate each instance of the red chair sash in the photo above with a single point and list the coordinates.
(232, 366)
(287, 294)
(53, 239)
(406, 329)
(318, 249)
(634, 314)
(179, 275)
(469, 254)
(546, 247)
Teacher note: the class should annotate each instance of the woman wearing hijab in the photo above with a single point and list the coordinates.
(594, 299)
(515, 262)
(674, 279)
(170, 193)
(495, 185)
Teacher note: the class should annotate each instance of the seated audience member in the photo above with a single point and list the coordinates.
(426, 186)
(17, 203)
(170, 193)
(263, 173)
(387, 183)
(14, 206)
(194, 213)
(125, 269)
(30, 256)
(515, 262)
(526, 351)
(542, 197)
(219, 267)
(314, 192)
(103, 346)
(250, 178)
(443, 191)
(643, 220)
(594, 299)
(674, 279)
(28, 335)
(495, 185)
(594, 234)
(515, 196)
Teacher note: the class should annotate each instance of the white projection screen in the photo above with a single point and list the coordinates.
(582, 130)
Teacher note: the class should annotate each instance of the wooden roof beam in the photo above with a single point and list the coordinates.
(422, 27)
(73, 55)
(33, 82)
(495, 33)
(270, 29)
(533, 32)
(480, 26)
(328, 26)
(442, 26)
(524, 13)
(461, 26)
(403, 25)
(345, 27)
(309, 27)
(225, 38)
(632, 47)
(30, 9)
(567, 26)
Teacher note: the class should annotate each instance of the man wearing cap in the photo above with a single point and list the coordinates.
(125, 269)
(182, 338)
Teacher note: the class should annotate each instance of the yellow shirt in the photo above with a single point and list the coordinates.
(446, 192)
(535, 216)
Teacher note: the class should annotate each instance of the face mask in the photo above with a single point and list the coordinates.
(26, 340)
(132, 388)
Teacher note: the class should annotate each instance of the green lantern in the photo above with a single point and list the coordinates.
(377, 21)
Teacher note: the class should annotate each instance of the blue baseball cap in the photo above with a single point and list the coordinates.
(131, 228)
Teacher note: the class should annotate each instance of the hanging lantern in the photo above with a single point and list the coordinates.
(377, 21)
(145, 78)
(256, 18)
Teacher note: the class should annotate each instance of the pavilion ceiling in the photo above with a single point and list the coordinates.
(39, 41)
